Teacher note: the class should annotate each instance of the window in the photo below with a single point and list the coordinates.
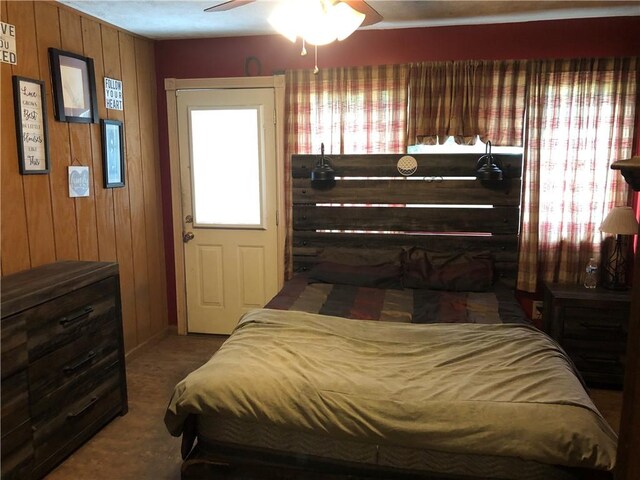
(226, 167)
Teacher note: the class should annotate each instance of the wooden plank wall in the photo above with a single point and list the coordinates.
(40, 223)
(445, 182)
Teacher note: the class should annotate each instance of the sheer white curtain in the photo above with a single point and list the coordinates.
(580, 119)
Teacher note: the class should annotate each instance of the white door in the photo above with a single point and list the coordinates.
(229, 203)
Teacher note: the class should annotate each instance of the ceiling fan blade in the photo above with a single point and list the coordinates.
(228, 5)
(371, 15)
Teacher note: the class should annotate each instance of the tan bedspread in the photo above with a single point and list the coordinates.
(486, 389)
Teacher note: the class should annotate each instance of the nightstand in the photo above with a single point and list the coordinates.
(591, 325)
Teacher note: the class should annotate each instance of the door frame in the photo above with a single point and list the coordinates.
(171, 85)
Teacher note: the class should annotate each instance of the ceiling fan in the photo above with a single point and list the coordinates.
(371, 15)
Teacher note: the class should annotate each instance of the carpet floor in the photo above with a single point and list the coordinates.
(138, 447)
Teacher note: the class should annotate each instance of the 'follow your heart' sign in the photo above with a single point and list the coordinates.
(78, 181)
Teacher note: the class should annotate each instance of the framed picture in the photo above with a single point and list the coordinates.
(74, 87)
(31, 125)
(112, 153)
(78, 181)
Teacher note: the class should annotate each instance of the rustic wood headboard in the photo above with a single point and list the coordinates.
(441, 207)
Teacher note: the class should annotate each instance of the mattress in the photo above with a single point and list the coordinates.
(217, 433)
(502, 390)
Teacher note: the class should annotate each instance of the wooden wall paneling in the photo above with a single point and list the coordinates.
(122, 210)
(14, 231)
(37, 196)
(92, 43)
(135, 181)
(63, 207)
(41, 224)
(151, 182)
(81, 153)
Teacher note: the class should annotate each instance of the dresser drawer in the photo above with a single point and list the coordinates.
(596, 356)
(44, 407)
(72, 360)
(69, 437)
(15, 402)
(59, 425)
(13, 338)
(65, 319)
(15, 443)
(597, 347)
(590, 323)
(17, 452)
(598, 362)
(63, 373)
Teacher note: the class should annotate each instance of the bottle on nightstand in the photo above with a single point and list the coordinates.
(591, 277)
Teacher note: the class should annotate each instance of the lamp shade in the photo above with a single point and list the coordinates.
(621, 221)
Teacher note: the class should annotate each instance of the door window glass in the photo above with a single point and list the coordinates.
(226, 167)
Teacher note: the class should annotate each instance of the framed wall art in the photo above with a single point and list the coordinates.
(112, 153)
(31, 125)
(79, 181)
(74, 87)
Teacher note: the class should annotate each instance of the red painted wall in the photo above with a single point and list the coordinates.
(225, 57)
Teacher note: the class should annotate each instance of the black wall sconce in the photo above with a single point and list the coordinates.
(487, 167)
(322, 175)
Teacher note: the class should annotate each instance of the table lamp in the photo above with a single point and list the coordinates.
(620, 221)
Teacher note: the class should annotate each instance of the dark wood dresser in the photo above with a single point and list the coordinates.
(63, 371)
(591, 325)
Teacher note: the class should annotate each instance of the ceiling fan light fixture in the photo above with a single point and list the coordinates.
(345, 20)
(284, 20)
(315, 33)
(318, 22)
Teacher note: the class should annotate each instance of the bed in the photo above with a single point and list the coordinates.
(397, 349)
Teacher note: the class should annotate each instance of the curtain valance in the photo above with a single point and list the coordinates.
(467, 99)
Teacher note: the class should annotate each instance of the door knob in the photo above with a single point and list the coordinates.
(187, 236)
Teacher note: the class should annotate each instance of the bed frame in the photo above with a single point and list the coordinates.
(440, 182)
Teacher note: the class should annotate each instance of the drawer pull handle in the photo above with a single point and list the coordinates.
(83, 410)
(600, 326)
(608, 361)
(64, 321)
(73, 368)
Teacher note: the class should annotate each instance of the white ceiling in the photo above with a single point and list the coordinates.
(164, 19)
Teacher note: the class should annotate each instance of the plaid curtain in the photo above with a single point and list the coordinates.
(467, 99)
(502, 102)
(580, 116)
(350, 110)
